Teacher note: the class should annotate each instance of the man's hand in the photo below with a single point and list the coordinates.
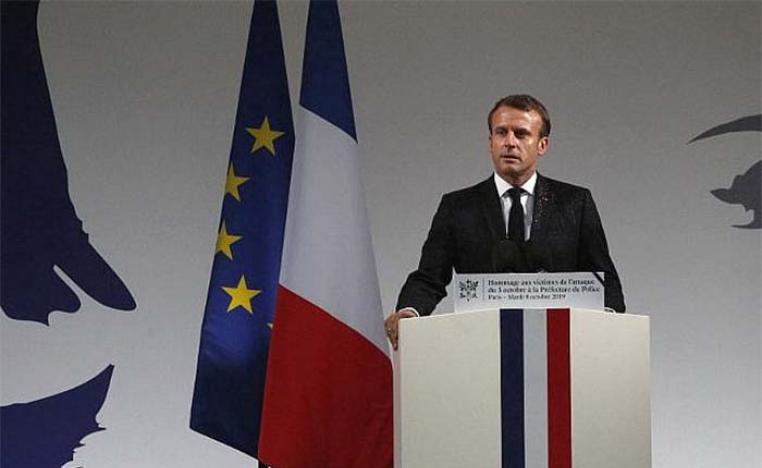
(392, 324)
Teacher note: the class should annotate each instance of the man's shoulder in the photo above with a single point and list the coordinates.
(559, 187)
(485, 187)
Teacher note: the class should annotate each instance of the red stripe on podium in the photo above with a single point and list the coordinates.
(559, 390)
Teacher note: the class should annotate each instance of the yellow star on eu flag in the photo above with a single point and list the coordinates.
(264, 136)
(225, 240)
(233, 182)
(241, 295)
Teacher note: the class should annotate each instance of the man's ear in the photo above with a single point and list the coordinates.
(543, 145)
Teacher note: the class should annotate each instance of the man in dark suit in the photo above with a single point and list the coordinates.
(515, 221)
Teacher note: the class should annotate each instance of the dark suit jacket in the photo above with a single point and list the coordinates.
(566, 228)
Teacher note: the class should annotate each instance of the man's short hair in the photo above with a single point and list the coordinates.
(525, 103)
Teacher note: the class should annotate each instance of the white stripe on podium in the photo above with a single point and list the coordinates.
(535, 388)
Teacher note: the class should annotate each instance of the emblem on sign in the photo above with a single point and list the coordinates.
(467, 289)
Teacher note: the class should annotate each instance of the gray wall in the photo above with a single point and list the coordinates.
(145, 96)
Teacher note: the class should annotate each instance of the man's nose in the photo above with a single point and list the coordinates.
(510, 140)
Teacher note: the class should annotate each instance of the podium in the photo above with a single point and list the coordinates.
(555, 388)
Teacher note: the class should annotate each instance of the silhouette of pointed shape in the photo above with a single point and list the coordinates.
(746, 191)
(751, 123)
(44, 433)
(40, 226)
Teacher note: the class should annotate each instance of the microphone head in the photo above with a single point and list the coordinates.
(537, 258)
(507, 257)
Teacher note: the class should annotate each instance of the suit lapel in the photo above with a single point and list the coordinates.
(543, 201)
(492, 209)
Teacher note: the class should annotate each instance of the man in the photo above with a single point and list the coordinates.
(517, 220)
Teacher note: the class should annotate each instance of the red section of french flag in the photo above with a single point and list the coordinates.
(559, 390)
(324, 376)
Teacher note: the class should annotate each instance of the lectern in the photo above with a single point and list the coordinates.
(556, 388)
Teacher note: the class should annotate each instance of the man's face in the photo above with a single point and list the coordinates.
(515, 143)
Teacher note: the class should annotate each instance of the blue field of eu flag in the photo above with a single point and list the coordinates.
(235, 335)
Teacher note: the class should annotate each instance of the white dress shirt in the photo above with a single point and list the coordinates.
(527, 200)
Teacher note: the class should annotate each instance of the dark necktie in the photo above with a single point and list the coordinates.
(516, 216)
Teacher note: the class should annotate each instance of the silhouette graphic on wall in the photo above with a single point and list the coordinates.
(751, 123)
(45, 433)
(40, 228)
(746, 189)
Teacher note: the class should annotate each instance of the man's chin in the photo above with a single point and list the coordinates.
(512, 165)
(509, 171)
(513, 175)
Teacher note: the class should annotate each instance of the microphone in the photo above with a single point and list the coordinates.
(507, 257)
(536, 258)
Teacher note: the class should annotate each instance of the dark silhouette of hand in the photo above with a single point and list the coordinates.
(40, 228)
(45, 433)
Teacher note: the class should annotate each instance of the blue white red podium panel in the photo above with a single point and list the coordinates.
(517, 388)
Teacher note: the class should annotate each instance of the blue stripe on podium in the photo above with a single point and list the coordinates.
(512, 387)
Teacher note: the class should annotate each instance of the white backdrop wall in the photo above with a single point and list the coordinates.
(145, 96)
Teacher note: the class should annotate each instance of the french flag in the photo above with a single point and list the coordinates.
(328, 393)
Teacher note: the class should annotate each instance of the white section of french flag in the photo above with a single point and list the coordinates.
(327, 255)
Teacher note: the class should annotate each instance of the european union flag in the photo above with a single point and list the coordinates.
(235, 335)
